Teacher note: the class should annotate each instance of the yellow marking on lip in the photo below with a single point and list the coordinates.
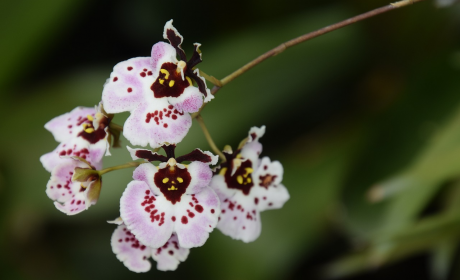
(239, 179)
(222, 171)
(249, 180)
(90, 118)
(89, 130)
(172, 188)
(161, 81)
(180, 179)
(164, 71)
(165, 180)
(189, 80)
(171, 83)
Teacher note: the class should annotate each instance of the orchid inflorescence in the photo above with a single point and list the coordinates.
(173, 202)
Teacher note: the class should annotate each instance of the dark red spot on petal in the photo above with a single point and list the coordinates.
(212, 211)
(173, 218)
(165, 125)
(115, 79)
(171, 252)
(199, 208)
(130, 89)
(130, 68)
(143, 74)
(184, 220)
(256, 200)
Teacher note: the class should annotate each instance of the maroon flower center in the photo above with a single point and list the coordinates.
(242, 179)
(172, 182)
(169, 82)
(89, 133)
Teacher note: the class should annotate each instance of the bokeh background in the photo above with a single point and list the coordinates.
(366, 121)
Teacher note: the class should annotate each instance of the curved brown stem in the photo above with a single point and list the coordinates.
(211, 143)
(279, 49)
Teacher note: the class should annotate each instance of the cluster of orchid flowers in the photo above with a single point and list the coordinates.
(173, 206)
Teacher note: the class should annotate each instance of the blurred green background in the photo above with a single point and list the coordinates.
(366, 121)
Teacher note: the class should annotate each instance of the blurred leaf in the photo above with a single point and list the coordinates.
(346, 266)
(415, 145)
(443, 256)
(438, 162)
(388, 248)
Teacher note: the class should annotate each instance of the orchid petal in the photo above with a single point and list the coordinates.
(129, 250)
(240, 218)
(170, 255)
(147, 216)
(197, 215)
(155, 124)
(129, 85)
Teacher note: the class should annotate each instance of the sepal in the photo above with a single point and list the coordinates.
(90, 179)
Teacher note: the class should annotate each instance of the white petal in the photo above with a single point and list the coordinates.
(155, 123)
(147, 216)
(170, 255)
(240, 218)
(129, 85)
(197, 215)
(68, 125)
(129, 250)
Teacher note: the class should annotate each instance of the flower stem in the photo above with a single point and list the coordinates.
(279, 49)
(122, 166)
(115, 126)
(213, 146)
(211, 79)
(314, 34)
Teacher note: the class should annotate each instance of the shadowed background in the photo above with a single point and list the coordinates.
(373, 104)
